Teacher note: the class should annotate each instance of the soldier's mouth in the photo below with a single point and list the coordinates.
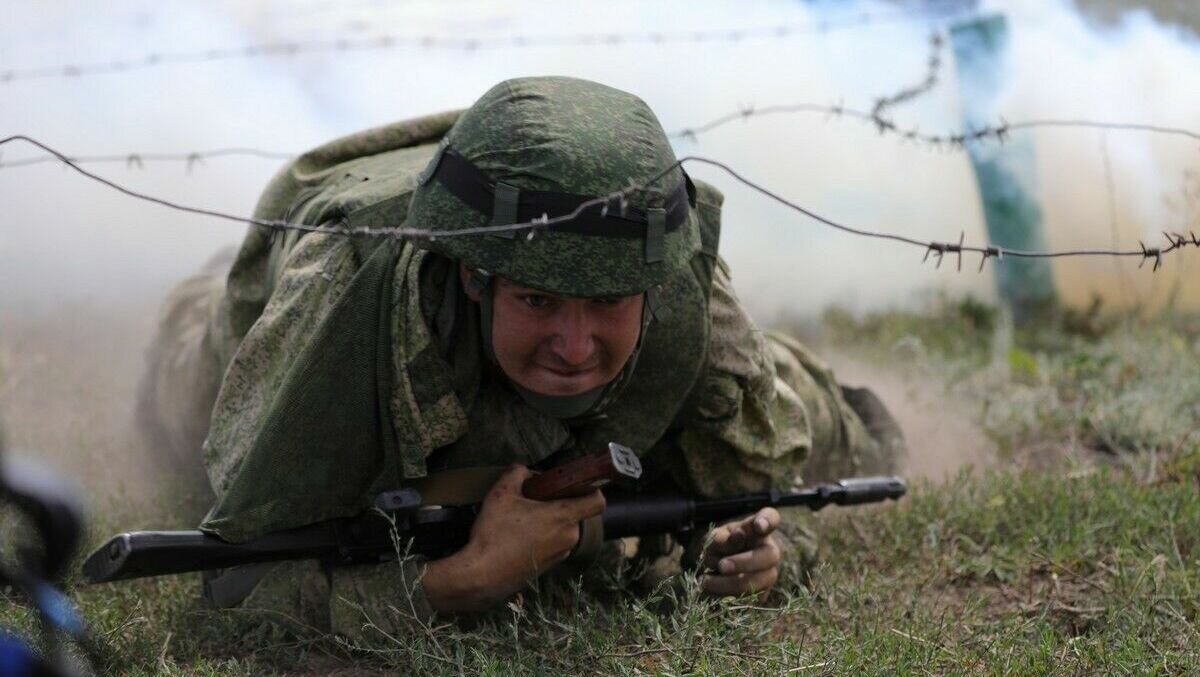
(569, 371)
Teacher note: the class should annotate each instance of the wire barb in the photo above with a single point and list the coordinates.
(940, 249)
(990, 252)
(1154, 253)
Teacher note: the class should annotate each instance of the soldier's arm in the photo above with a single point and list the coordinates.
(763, 409)
(311, 281)
(347, 600)
(764, 414)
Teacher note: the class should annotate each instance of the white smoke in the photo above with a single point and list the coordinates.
(65, 239)
(1135, 70)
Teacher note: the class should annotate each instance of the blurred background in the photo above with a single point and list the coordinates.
(316, 70)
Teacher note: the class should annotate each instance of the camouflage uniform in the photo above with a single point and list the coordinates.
(716, 405)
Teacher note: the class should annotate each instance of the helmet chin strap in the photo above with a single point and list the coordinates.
(563, 407)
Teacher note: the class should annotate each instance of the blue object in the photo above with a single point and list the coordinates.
(59, 609)
(1006, 174)
(16, 658)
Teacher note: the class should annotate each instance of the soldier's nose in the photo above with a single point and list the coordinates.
(575, 348)
(574, 343)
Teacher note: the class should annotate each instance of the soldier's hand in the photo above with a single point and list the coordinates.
(514, 540)
(743, 556)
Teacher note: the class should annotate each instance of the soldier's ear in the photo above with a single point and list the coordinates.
(469, 288)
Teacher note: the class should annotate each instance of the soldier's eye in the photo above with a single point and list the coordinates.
(535, 300)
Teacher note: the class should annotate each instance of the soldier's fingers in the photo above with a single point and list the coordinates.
(740, 584)
(509, 482)
(718, 536)
(714, 547)
(582, 507)
(724, 540)
(764, 556)
(765, 521)
(737, 538)
(514, 475)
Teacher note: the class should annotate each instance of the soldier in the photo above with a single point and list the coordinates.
(354, 365)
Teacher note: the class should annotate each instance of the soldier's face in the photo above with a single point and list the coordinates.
(561, 345)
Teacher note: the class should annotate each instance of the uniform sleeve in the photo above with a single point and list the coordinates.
(312, 278)
(343, 600)
(764, 409)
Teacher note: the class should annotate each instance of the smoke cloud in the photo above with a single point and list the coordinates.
(66, 240)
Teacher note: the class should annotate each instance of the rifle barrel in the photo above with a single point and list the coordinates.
(633, 515)
(854, 491)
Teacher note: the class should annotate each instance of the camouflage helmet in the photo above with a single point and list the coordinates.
(534, 147)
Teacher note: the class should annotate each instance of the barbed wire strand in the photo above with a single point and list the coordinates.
(937, 10)
(885, 125)
(933, 67)
(138, 160)
(999, 133)
(875, 117)
(938, 250)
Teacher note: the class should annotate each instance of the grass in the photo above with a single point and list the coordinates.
(996, 573)
(1077, 552)
(1079, 382)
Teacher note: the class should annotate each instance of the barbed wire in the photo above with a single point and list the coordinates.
(139, 160)
(933, 67)
(999, 133)
(935, 10)
(876, 117)
(619, 200)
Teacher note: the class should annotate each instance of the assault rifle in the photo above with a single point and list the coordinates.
(402, 522)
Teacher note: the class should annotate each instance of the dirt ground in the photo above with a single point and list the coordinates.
(67, 384)
(941, 435)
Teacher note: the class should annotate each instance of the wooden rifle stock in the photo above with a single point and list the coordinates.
(584, 475)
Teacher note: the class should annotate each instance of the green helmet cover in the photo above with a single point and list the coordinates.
(569, 136)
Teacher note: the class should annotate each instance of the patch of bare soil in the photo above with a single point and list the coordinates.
(941, 435)
(68, 379)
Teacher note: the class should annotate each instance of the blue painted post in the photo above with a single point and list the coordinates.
(1006, 173)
